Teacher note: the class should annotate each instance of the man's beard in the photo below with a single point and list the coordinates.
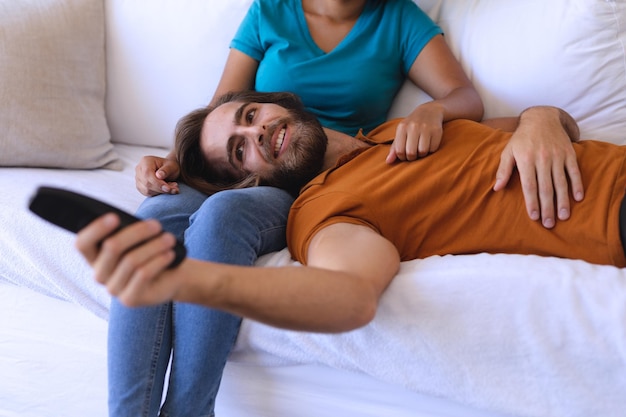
(304, 158)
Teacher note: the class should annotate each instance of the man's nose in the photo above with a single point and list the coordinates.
(256, 133)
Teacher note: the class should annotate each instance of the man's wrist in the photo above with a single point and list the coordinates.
(552, 114)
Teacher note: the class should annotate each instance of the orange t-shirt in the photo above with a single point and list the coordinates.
(444, 203)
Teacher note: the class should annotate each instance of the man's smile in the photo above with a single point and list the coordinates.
(279, 141)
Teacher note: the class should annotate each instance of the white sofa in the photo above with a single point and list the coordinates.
(89, 86)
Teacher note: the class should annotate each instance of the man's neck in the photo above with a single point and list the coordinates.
(339, 144)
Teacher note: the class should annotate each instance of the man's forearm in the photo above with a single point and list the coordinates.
(300, 298)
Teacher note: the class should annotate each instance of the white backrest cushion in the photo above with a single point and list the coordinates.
(164, 59)
(567, 53)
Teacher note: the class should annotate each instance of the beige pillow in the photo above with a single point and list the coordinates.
(52, 85)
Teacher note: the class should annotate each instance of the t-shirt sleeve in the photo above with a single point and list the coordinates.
(309, 216)
(247, 38)
(417, 29)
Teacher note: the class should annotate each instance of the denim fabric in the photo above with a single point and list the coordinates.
(234, 227)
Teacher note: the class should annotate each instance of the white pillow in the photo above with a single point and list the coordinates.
(567, 53)
(52, 85)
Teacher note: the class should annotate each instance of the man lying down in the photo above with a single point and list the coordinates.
(357, 217)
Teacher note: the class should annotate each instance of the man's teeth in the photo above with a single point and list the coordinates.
(279, 141)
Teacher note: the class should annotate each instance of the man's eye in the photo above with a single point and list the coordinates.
(250, 115)
(239, 152)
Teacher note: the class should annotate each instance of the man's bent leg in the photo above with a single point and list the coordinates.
(234, 227)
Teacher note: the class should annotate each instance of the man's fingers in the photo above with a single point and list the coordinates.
(562, 191)
(88, 239)
(546, 192)
(530, 189)
(575, 178)
(564, 188)
(104, 250)
(505, 170)
(138, 263)
(134, 293)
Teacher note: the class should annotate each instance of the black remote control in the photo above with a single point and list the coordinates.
(73, 211)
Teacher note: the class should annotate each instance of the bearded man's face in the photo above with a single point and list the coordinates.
(284, 147)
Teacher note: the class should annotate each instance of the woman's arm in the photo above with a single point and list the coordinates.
(438, 73)
(239, 74)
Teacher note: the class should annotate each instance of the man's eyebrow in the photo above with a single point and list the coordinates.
(239, 114)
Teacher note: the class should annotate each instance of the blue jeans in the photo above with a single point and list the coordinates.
(234, 227)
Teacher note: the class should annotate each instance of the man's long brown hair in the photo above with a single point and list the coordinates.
(195, 170)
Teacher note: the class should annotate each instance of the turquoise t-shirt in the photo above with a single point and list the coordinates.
(352, 86)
